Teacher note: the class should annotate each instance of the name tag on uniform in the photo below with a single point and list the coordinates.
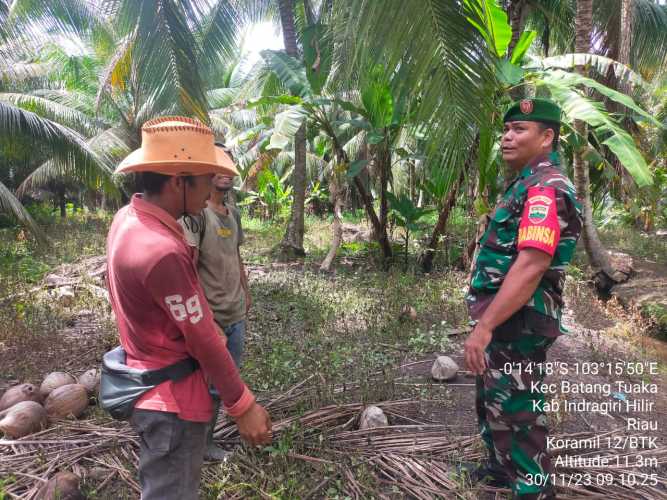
(223, 232)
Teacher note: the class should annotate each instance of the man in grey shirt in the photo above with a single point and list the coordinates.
(217, 235)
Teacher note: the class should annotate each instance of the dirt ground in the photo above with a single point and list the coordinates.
(599, 333)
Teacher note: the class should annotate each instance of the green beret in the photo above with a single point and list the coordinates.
(533, 110)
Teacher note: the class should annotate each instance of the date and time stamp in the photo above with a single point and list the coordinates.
(624, 458)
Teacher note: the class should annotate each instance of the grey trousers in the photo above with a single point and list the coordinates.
(171, 453)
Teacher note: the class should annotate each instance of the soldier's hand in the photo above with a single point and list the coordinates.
(474, 348)
(255, 425)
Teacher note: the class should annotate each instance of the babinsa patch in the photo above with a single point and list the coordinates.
(537, 213)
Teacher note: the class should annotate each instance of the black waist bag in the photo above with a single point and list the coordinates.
(121, 386)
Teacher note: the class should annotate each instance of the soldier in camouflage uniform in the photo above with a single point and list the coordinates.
(515, 299)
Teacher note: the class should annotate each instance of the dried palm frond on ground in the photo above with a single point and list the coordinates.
(25, 464)
(411, 458)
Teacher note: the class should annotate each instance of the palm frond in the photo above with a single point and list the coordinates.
(316, 167)
(291, 73)
(117, 71)
(256, 11)
(10, 205)
(234, 119)
(74, 99)
(14, 72)
(601, 64)
(35, 18)
(54, 111)
(222, 97)
(219, 33)
(64, 145)
(166, 52)
(576, 106)
(436, 58)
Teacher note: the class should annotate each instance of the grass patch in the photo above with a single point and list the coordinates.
(23, 261)
(629, 240)
(339, 328)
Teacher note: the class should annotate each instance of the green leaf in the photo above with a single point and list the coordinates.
(622, 145)
(286, 125)
(292, 73)
(355, 168)
(275, 100)
(491, 21)
(356, 123)
(577, 107)
(508, 73)
(350, 107)
(377, 99)
(317, 52)
(558, 77)
(522, 46)
(601, 64)
(375, 137)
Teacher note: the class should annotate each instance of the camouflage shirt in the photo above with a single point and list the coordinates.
(498, 245)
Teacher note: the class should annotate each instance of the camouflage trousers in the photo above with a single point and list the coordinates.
(513, 429)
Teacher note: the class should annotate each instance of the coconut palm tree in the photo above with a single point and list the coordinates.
(54, 130)
(292, 243)
(598, 256)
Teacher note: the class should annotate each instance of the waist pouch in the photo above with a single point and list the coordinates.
(121, 386)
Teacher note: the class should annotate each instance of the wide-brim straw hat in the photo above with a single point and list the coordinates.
(177, 145)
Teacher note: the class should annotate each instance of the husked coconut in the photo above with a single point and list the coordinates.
(65, 296)
(90, 380)
(67, 401)
(18, 393)
(444, 368)
(22, 419)
(54, 380)
(372, 417)
(407, 313)
(62, 486)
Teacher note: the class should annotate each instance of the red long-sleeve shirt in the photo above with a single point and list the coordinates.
(163, 316)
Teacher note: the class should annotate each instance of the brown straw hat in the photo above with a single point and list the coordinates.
(176, 145)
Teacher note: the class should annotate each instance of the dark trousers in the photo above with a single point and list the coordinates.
(171, 453)
(511, 422)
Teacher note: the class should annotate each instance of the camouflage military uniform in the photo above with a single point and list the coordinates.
(513, 432)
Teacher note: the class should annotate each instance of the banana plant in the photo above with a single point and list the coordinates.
(273, 194)
(376, 113)
(406, 215)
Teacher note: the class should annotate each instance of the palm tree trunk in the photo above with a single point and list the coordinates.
(63, 206)
(379, 233)
(383, 159)
(626, 32)
(337, 228)
(292, 243)
(597, 254)
(426, 259)
(517, 15)
(626, 180)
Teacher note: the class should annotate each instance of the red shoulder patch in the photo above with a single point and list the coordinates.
(539, 226)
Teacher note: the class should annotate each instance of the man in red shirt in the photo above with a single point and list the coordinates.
(162, 313)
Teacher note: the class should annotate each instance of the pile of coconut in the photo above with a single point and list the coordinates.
(25, 409)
